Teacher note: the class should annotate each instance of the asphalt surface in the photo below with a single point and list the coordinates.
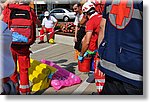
(62, 53)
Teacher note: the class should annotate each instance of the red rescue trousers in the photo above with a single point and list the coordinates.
(48, 30)
(21, 54)
(98, 75)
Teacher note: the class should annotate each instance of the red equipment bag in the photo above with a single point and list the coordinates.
(21, 21)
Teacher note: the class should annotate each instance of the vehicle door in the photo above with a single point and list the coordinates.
(54, 13)
(60, 14)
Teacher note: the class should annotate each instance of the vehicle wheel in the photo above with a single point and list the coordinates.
(66, 19)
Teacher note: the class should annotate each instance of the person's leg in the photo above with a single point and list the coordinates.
(24, 64)
(8, 87)
(41, 36)
(91, 78)
(132, 90)
(14, 76)
(51, 30)
(113, 86)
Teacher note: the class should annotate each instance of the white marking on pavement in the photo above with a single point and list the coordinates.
(44, 48)
(81, 88)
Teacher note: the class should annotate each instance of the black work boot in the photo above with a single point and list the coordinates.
(40, 42)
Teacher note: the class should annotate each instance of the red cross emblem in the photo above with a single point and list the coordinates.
(121, 10)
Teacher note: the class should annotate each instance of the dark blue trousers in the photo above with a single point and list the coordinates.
(116, 87)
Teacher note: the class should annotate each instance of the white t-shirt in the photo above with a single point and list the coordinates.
(78, 18)
(49, 23)
(7, 65)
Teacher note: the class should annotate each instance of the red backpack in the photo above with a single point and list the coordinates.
(20, 19)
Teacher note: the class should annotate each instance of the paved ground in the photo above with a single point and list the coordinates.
(62, 53)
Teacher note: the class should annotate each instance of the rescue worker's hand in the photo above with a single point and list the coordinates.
(80, 58)
(75, 39)
(44, 30)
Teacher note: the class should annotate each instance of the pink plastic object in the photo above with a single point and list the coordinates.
(62, 77)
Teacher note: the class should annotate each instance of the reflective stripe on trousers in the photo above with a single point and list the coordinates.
(24, 89)
(100, 80)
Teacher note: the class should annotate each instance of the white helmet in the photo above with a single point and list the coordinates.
(87, 6)
(46, 13)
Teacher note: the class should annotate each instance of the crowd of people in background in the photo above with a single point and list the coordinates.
(111, 31)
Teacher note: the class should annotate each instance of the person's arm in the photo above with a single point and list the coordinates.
(1, 14)
(85, 43)
(8, 2)
(75, 37)
(43, 25)
(102, 25)
(83, 20)
(102, 30)
(2, 6)
(1, 17)
(76, 28)
(55, 21)
(55, 24)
